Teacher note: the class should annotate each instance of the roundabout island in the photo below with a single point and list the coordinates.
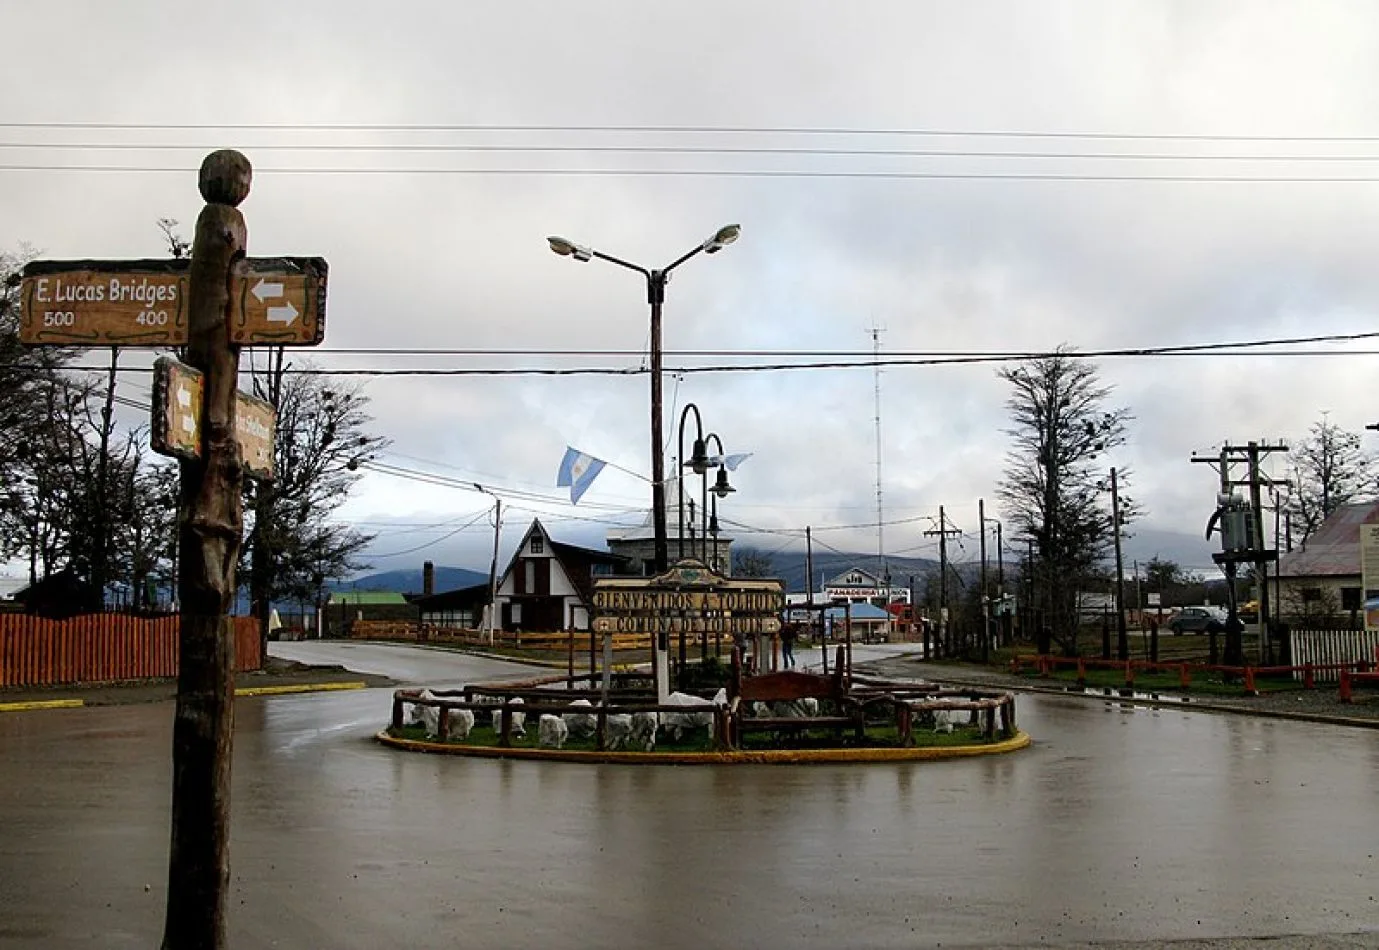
(785, 717)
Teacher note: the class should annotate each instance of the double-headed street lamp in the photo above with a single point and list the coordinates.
(656, 294)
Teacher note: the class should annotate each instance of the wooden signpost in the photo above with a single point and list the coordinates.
(274, 301)
(212, 305)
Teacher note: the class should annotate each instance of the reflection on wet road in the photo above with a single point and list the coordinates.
(1117, 825)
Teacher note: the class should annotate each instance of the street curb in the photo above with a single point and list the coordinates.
(298, 688)
(42, 704)
(760, 757)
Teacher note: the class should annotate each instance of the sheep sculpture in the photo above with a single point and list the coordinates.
(617, 730)
(551, 731)
(677, 724)
(644, 725)
(461, 722)
(581, 725)
(428, 717)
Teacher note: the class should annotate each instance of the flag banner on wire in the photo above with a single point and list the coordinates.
(578, 471)
(731, 462)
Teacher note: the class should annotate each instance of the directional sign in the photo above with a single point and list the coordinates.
(178, 392)
(104, 303)
(278, 301)
(255, 426)
(177, 399)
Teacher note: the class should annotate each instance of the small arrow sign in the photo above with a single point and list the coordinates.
(263, 290)
(286, 315)
(184, 398)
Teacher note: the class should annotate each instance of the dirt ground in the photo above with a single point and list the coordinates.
(277, 673)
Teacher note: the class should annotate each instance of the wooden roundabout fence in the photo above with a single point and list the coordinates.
(856, 706)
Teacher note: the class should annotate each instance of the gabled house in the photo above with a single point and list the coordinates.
(548, 585)
(1322, 577)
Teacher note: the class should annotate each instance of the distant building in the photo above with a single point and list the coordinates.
(858, 586)
(548, 585)
(1323, 576)
(638, 543)
(461, 609)
(345, 607)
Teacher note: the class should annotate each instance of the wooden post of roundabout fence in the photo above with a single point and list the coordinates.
(210, 526)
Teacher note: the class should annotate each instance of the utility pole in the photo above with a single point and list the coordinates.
(1001, 587)
(1030, 614)
(1122, 638)
(809, 586)
(1261, 565)
(1257, 554)
(986, 601)
(492, 619)
(945, 642)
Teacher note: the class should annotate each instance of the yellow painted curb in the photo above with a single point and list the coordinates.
(756, 757)
(298, 688)
(42, 704)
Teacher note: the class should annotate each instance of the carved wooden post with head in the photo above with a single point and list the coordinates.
(210, 526)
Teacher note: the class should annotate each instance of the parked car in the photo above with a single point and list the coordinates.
(1198, 620)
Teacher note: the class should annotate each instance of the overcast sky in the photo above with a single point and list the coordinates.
(446, 260)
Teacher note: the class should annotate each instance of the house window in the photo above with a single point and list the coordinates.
(601, 570)
(538, 544)
(1350, 598)
(515, 612)
(530, 567)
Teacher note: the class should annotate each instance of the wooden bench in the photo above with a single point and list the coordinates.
(789, 686)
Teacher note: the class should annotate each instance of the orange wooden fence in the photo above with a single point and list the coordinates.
(101, 648)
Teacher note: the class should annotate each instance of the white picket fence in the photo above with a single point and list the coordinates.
(1333, 646)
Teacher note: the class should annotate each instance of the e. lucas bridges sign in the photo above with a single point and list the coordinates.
(689, 598)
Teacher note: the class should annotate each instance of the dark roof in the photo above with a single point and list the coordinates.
(1333, 550)
(471, 596)
(578, 563)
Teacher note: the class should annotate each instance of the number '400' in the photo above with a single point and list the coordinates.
(152, 318)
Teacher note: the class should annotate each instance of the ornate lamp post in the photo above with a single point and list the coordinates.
(656, 295)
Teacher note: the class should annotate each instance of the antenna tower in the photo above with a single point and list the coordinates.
(876, 332)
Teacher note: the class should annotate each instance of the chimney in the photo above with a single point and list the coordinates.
(428, 579)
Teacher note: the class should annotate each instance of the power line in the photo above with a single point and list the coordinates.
(489, 149)
(1250, 348)
(684, 129)
(757, 173)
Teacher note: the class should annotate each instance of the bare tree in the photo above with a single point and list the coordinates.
(1049, 492)
(753, 564)
(321, 436)
(1329, 469)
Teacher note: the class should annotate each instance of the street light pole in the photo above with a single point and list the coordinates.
(656, 295)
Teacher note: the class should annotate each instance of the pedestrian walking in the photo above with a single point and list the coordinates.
(788, 633)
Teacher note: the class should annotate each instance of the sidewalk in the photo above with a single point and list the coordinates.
(279, 676)
(1316, 705)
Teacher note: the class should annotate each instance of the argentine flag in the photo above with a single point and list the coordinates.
(730, 462)
(578, 471)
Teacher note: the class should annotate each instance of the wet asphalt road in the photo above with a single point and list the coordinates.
(1118, 825)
